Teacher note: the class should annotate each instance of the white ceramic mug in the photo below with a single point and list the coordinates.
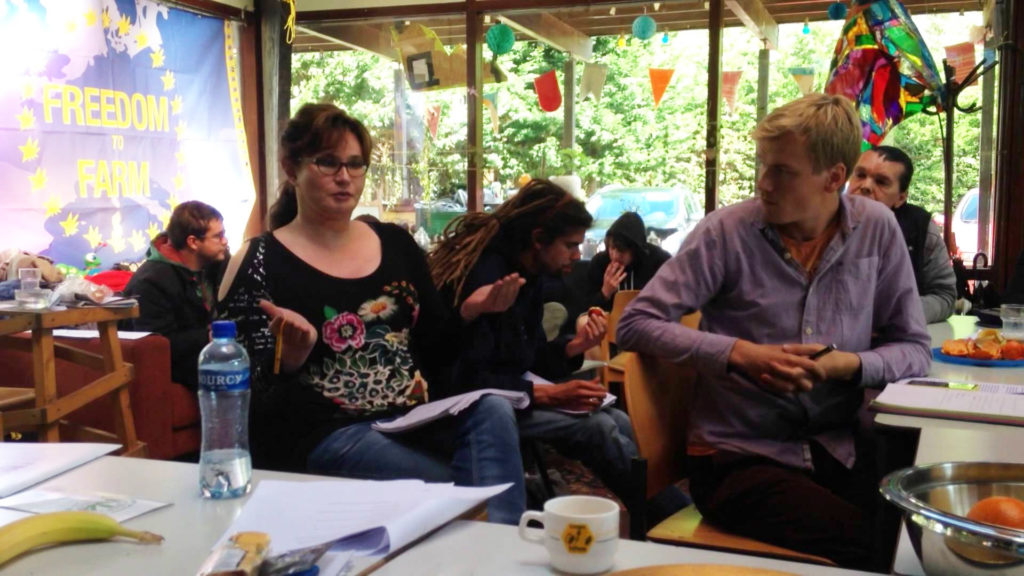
(581, 533)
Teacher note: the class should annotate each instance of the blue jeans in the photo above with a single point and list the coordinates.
(477, 447)
(602, 440)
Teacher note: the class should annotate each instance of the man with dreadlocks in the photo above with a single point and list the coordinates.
(492, 269)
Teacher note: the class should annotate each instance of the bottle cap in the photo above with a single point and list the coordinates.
(223, 329)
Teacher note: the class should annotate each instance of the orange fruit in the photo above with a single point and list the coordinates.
(1013, 350)
(999, 510)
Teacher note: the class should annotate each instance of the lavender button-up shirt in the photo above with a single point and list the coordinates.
(734, 269)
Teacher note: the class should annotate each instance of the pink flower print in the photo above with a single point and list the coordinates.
(415, 315)
(344, 330)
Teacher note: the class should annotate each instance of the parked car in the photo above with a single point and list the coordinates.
(965, 225)
(668, 212)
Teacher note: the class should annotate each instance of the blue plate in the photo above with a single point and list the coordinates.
(968, 361)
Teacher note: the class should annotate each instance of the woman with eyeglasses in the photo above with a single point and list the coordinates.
(361, 330)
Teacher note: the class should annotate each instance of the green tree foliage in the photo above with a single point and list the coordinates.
(620, 138)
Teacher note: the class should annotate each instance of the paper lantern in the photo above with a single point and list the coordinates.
(644, 27)
(523, 180)
(807, 26)
(837, 11)
(500, 39)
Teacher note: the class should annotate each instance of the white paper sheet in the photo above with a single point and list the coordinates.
(23, 464)
(85, 334)
(117, 506)
(372, 517)
(431, 411)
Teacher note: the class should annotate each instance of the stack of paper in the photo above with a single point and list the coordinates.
(980, 402)
(366, 517)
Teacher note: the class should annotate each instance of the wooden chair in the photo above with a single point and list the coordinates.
(657, 395)
(13, 397)
(612, 372)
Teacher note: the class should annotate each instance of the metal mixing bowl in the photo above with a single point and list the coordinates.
(935, 500)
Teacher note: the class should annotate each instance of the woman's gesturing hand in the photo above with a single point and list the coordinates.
(296, 334)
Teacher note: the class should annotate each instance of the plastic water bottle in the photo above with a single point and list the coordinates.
(225, 468)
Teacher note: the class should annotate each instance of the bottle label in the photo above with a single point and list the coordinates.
(218, 380)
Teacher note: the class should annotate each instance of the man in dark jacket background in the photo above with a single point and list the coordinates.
(177, 285)
(627, 262)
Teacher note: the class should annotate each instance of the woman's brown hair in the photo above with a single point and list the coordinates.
(314, 128)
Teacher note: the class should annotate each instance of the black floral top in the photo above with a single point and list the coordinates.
(376, 351)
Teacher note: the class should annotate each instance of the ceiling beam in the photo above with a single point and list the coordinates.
(546, 28)
(364, 37)
(756, 18)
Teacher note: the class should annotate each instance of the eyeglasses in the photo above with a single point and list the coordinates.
(329, 165)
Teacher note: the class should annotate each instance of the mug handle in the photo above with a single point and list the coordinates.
(526, 517)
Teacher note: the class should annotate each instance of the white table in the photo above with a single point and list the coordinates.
(190, 525)
(952, 440)
(476, 548)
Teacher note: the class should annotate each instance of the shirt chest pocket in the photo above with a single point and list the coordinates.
(849, 285)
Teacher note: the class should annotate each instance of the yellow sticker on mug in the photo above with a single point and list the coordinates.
(577, 538)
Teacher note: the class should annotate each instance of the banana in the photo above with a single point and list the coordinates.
(52, 528)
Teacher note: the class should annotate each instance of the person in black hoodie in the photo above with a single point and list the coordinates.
(628, 262)
(177, 285)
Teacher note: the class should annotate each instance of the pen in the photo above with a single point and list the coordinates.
(823, 351)
(944, 384)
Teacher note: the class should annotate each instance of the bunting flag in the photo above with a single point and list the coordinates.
(660, 78)
(961, 58)
(433, 117)
(548, 93)
(804, 78)
(730, 83)
(882, 64)
(592, 83)
(490, 101)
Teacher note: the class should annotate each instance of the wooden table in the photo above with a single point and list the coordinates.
(49, 408)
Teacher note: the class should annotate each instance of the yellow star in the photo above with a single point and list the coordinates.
(153, 230)
(105, 18)
(138, 241)
(180, 156)
(30, 150)
(117, 243)
(158, 57)
(27, 90)
(172, 203)
(27, 119)
(176, 104)
(179, 181)
(141, 40)
(180, 130)
(93, 236)
(90, 18)
(165, 218)
(123, 26)
(38, 179)
(71, 26)
(52, 206)
(168, 79)
(70, 224)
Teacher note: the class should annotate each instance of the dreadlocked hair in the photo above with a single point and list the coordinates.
(540, 206)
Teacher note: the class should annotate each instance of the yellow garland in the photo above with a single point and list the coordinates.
(289, 25)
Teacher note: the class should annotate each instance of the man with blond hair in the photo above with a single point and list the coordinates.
(773, 446)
